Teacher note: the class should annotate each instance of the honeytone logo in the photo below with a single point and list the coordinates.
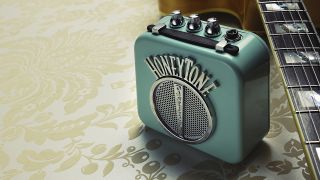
(184, 68)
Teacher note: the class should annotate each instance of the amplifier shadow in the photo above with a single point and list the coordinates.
(194, 164)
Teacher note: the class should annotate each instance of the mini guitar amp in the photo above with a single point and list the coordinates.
(204, 84)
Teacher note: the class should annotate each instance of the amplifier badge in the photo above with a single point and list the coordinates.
(178, 99)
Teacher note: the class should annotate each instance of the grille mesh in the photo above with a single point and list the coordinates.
(165, 105)
(195, 115)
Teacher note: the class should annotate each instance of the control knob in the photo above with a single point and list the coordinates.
(177, 19)
(194, 23)
(213, 28)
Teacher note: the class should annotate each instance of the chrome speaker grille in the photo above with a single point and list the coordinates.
(181, 110)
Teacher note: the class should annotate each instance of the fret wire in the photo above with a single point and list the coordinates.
(271, 22)
(312, 142)
(286, 48)
(295, 65)
(268, 11)
(302, 86)
(308, 111)
(267, 2)
(307, 136)
(279, 34)
(309, 114)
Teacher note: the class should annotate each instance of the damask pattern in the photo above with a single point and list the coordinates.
(68, 105)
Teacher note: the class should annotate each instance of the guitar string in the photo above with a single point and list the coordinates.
(315, 32)
(309, 113)
(312, 45)
(318, 60)
(285, 75)
(317, 57)
(313, 99)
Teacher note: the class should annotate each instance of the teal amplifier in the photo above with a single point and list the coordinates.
(204, 84)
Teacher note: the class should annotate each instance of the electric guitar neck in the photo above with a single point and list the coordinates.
(296, 47)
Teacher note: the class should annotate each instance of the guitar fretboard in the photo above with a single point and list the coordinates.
(297, 49)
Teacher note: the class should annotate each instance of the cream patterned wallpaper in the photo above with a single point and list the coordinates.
(68, 105)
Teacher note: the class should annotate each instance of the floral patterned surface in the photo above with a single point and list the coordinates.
(68, 105)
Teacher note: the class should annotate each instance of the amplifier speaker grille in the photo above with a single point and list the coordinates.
(181, 109)
(165, 105)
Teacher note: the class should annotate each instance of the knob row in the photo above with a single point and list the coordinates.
(194, 24)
